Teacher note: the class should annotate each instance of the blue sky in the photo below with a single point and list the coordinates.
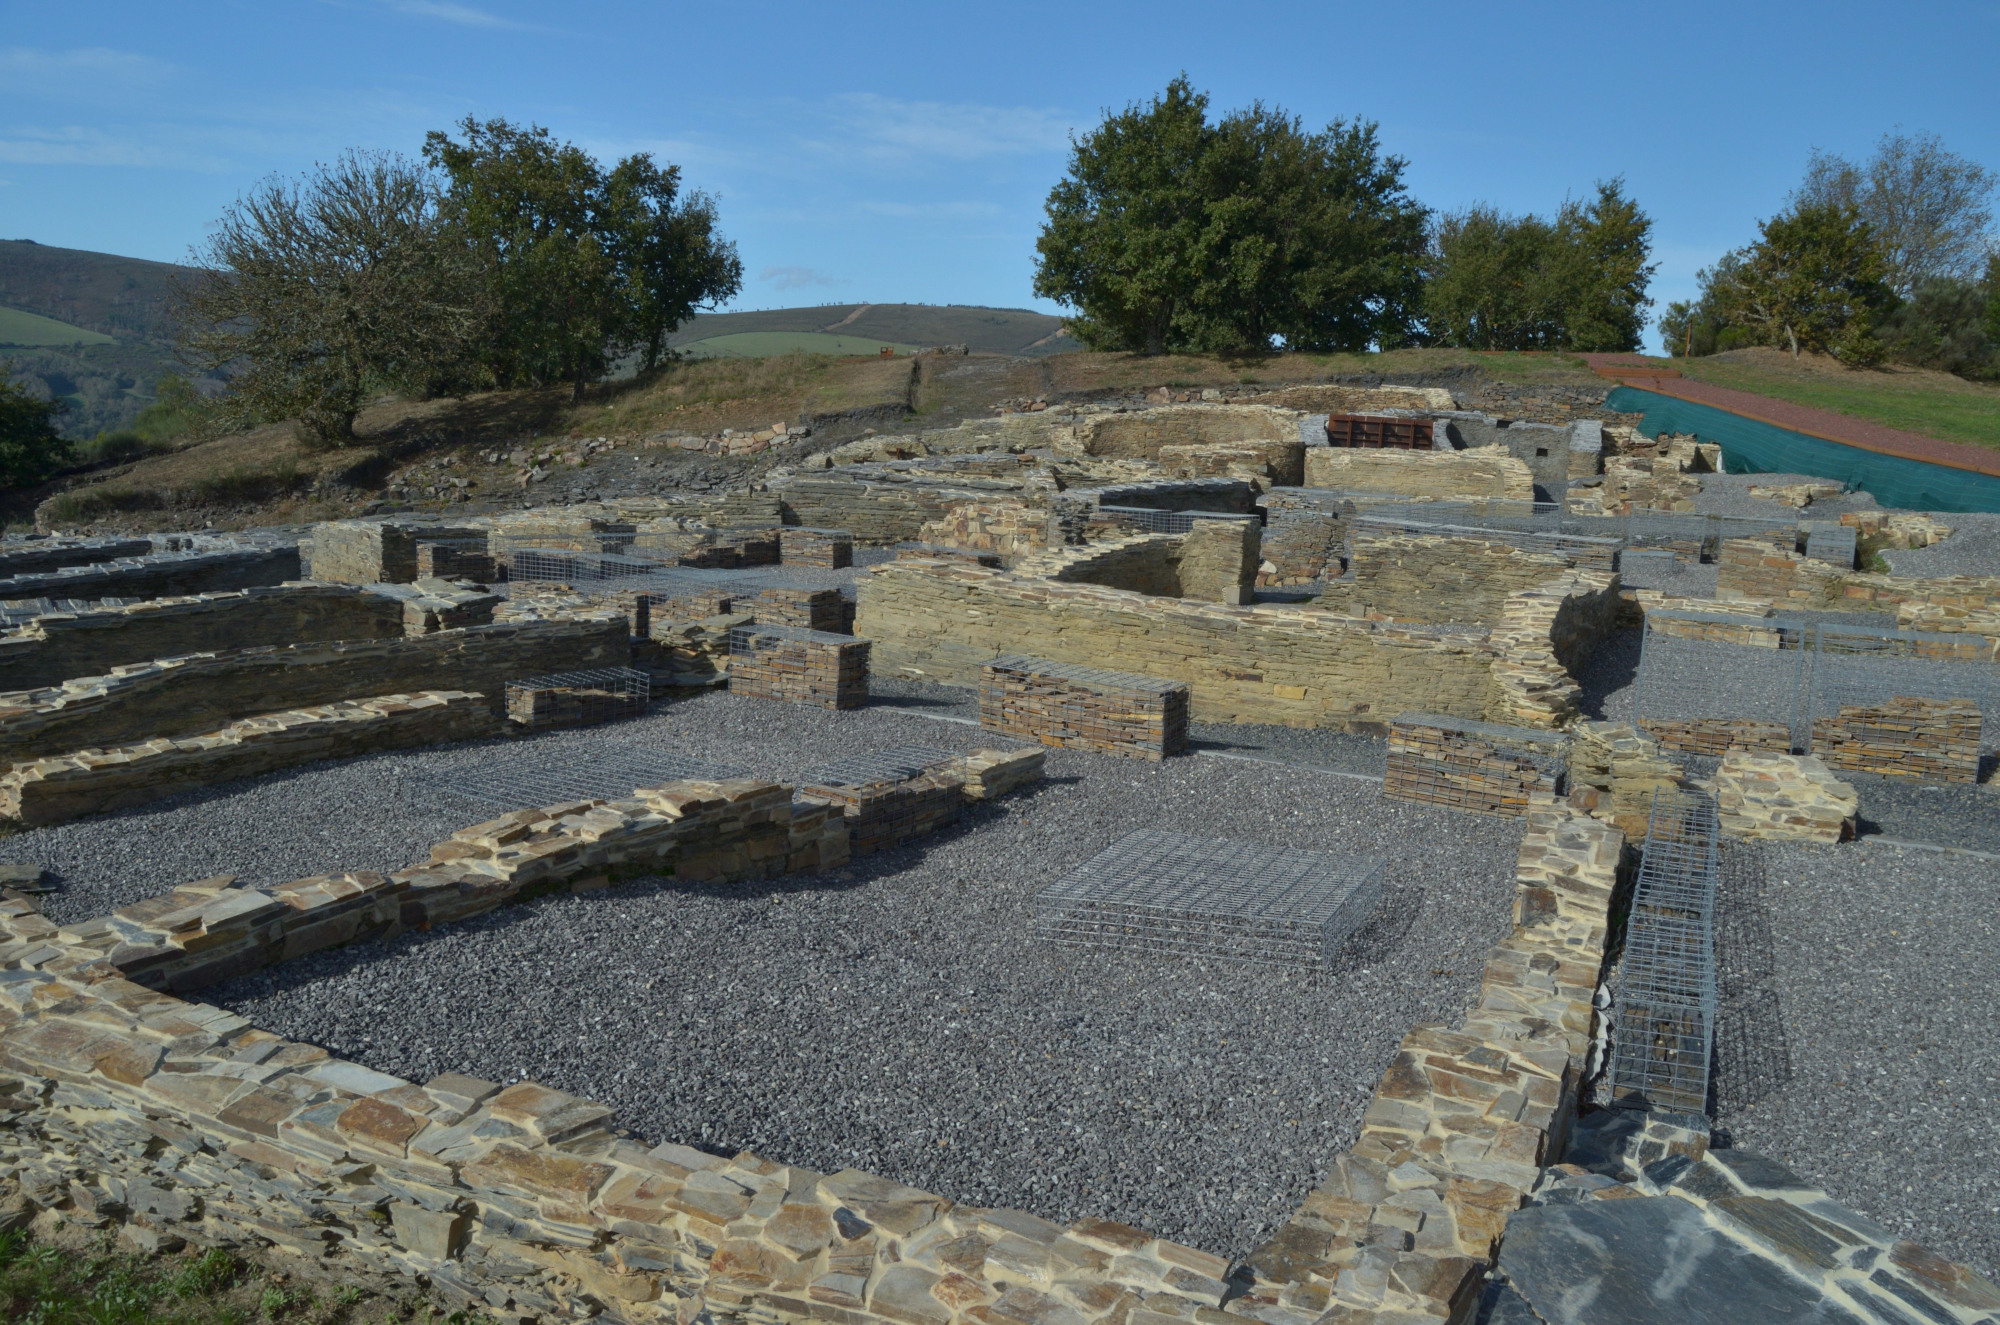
(889, 152)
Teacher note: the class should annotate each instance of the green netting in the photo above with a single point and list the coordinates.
(1753, 447)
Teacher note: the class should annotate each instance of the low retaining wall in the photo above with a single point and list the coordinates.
(161, 574)
(1907, 737)
(944, 619)
(375, 551)
(198, 693)
(32, 556)
(800, 666)
(64, 787)
(53, 648)
(1759, 569)
(1482, 473)
(1142, 434)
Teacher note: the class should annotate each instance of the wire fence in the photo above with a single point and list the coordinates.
(1665, 1028)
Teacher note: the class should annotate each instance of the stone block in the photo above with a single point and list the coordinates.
(1783, 797)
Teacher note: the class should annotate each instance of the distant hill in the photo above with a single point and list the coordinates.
(87, 328)
(982, 330)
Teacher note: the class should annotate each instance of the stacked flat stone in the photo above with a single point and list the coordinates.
(991, 774)
(1908, 736)
(550, 702)
(1717, 736)
(448, 561)
(1084, 708)
(64, 787)
(373, 551)
(1614, 772)
(829, 549)
(696, 653)
(1541, 632)
(1783, 797)
(1481, 767)
(809, 609)
(690, 605)
(884, 814)
(799, 666)
(734, 549)
(157, 574)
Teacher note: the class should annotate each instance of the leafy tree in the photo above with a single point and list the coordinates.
(1943, 325)
(1121, 243)
(314, 296)
(1812, 281)
(1522, 283)
(31, 450)
(581, 264)
(1926, 206)
(1173, 233)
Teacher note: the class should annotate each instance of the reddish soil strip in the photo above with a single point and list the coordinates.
(1812, 422)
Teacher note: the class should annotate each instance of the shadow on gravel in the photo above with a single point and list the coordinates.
(1608, 676)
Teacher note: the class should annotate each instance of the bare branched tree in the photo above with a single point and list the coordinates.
(316, 295)
(1929, 208)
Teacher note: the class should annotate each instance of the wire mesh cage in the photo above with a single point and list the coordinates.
(1180, 895)
(898, 763)
(524, 777)
(1149, 521)
(1667, 992)
(1482, 767)
(579, 698)
(566, 567)
(1071, 706)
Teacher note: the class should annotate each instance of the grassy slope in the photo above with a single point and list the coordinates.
(984, 330)
(18, 327)
(1934, 404)
(122, 297)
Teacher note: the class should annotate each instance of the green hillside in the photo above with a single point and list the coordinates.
(23, 328)
(89, 329)
(982, 330)
(761, 344)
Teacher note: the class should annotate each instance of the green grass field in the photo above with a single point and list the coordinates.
(1933, 404)
(763, 344)
(19, 328)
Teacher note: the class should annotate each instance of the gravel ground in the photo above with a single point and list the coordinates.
(895, 1016)
(1972, 549)
(1859, 1035)
(1729, 494)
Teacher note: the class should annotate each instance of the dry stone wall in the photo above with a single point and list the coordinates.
(1009, 528)
(1141, 434)
(1758, 569)
(1544, 635)
(1442, 579)
(1275, 664)
(1476, 766)
(1486, 472)
(199, 693)
(57, 646)
(1909, 736)
(373, 551)
(58, 788)
(162, 574)
(1265, 462)
(1084, 708)
(1783, 797)
(28, 556)
(799, 666)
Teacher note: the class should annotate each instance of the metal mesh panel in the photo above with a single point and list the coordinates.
(579, 698)
(1666, 1000)
(552, 565)
(1164, 522)
(1854, 666)
(897, 764)
(523, 777)
(1173, 893)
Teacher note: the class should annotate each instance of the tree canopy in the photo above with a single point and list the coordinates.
(31, 449)
(1927, 208)
(1578, 282)
(1173, 233)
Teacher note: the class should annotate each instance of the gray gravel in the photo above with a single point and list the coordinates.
(894, 1016)
(1859, 1040)
(1972, 549)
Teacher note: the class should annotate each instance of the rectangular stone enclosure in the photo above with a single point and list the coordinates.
(1476, 766)
(800, 666)
(1084, 708)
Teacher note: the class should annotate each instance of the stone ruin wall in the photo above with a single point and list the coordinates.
(1011, 529)
(184, 1122)
(1141, 434)
(1753, 568)
(1486, 472)
(194, 570)
(57, 646)
(199, 693)
(943, 620)
(1439, 579)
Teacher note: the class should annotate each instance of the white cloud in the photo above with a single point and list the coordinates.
(796, 278)
(953, 131)
(73, 145)
(464, 16)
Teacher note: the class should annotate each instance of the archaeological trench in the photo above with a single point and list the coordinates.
(1325, 857)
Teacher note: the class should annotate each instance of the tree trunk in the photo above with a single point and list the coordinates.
(1793, 337)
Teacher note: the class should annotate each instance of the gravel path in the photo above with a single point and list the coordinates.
(894, 1016)
(1873, 1066)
